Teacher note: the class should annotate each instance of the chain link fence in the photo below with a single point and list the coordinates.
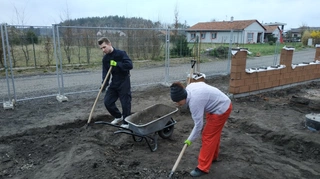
(38, 62)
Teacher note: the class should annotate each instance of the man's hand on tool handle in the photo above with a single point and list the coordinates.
(113, 63)
(188, 142)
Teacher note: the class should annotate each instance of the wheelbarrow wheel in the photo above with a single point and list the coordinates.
(166, 132)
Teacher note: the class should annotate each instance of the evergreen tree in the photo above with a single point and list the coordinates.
(180, 47)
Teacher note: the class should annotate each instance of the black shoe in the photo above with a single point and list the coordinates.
(197, 172)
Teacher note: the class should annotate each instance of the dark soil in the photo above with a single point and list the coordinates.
(265, 137)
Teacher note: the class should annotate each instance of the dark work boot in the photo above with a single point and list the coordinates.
(197, 172)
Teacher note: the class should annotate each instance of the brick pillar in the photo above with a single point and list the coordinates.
(238, 67)
(286, 57)
(317, 55)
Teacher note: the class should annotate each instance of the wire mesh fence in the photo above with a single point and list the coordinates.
(59, 60)
(38, 62)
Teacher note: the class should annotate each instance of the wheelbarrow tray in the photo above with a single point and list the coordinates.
(151, 119)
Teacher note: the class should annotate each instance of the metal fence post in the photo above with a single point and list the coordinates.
(60, 97)
(230, 48)
(167, 56)
(5, 42)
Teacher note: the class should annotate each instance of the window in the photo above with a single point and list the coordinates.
(203, 35)
(193, 35)
(213, 35)
(250, 37)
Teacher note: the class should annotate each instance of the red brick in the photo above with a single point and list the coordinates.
(275, 83)
(235, 75)
(283, 81)
(264, 79)
(253, 87)
(262, 73)
(244, 89)
(234, 90)
(261, 85)
(277, 71)
(236, 83)
(274, 77)
(235, 68)
(284, 70)
(268, 84)
(248, 81)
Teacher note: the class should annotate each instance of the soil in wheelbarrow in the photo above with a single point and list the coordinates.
(265, 137)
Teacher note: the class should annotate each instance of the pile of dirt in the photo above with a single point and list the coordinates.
(265, 137)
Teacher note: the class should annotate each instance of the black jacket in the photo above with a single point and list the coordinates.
(120, 72)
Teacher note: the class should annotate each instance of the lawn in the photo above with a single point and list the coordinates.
(44, 61)
(261, 49)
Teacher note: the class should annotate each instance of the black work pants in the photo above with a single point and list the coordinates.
(122, 92)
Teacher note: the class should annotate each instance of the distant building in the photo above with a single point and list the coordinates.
(106, 32)
(272, 30)
(295, 34)
(243, 31)
(273, 27)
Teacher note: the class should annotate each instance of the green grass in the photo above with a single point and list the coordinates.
(266, 49)
(41, 64)
(262, 49)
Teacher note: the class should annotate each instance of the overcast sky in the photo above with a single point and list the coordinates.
(294, 13)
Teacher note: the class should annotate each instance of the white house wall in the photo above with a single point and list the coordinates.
(239, 36)
(222, 37)
(254, 28)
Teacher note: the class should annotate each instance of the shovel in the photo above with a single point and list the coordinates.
(95, 102)
(178, 160)
(193, 62)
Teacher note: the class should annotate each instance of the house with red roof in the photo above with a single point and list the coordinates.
(241, 31)
(272, 30)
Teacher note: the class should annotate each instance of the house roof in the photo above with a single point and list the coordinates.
(223, 25)
(271, 28)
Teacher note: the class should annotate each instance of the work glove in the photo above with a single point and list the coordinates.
(113, 63)
(188, 142)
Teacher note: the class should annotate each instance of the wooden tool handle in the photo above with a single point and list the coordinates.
(101, 88)
(179, 158)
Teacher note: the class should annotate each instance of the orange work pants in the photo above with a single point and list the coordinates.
(211, 135)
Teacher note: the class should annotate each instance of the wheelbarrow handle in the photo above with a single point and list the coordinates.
(193, 62)
(178, 160)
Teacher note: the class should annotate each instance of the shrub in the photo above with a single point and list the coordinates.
(180, 47)
(220, 52)
(272, 38)
(306, 35)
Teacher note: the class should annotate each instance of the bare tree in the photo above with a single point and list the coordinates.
(85, 40)
(13, 41)
(89, 43)
(67, 35)
(22, 34)
(176, 20)
(303, 28)
(48, 49)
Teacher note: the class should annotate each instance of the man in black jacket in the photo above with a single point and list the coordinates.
(120, 87)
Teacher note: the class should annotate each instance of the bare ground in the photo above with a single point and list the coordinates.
(265, 137)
